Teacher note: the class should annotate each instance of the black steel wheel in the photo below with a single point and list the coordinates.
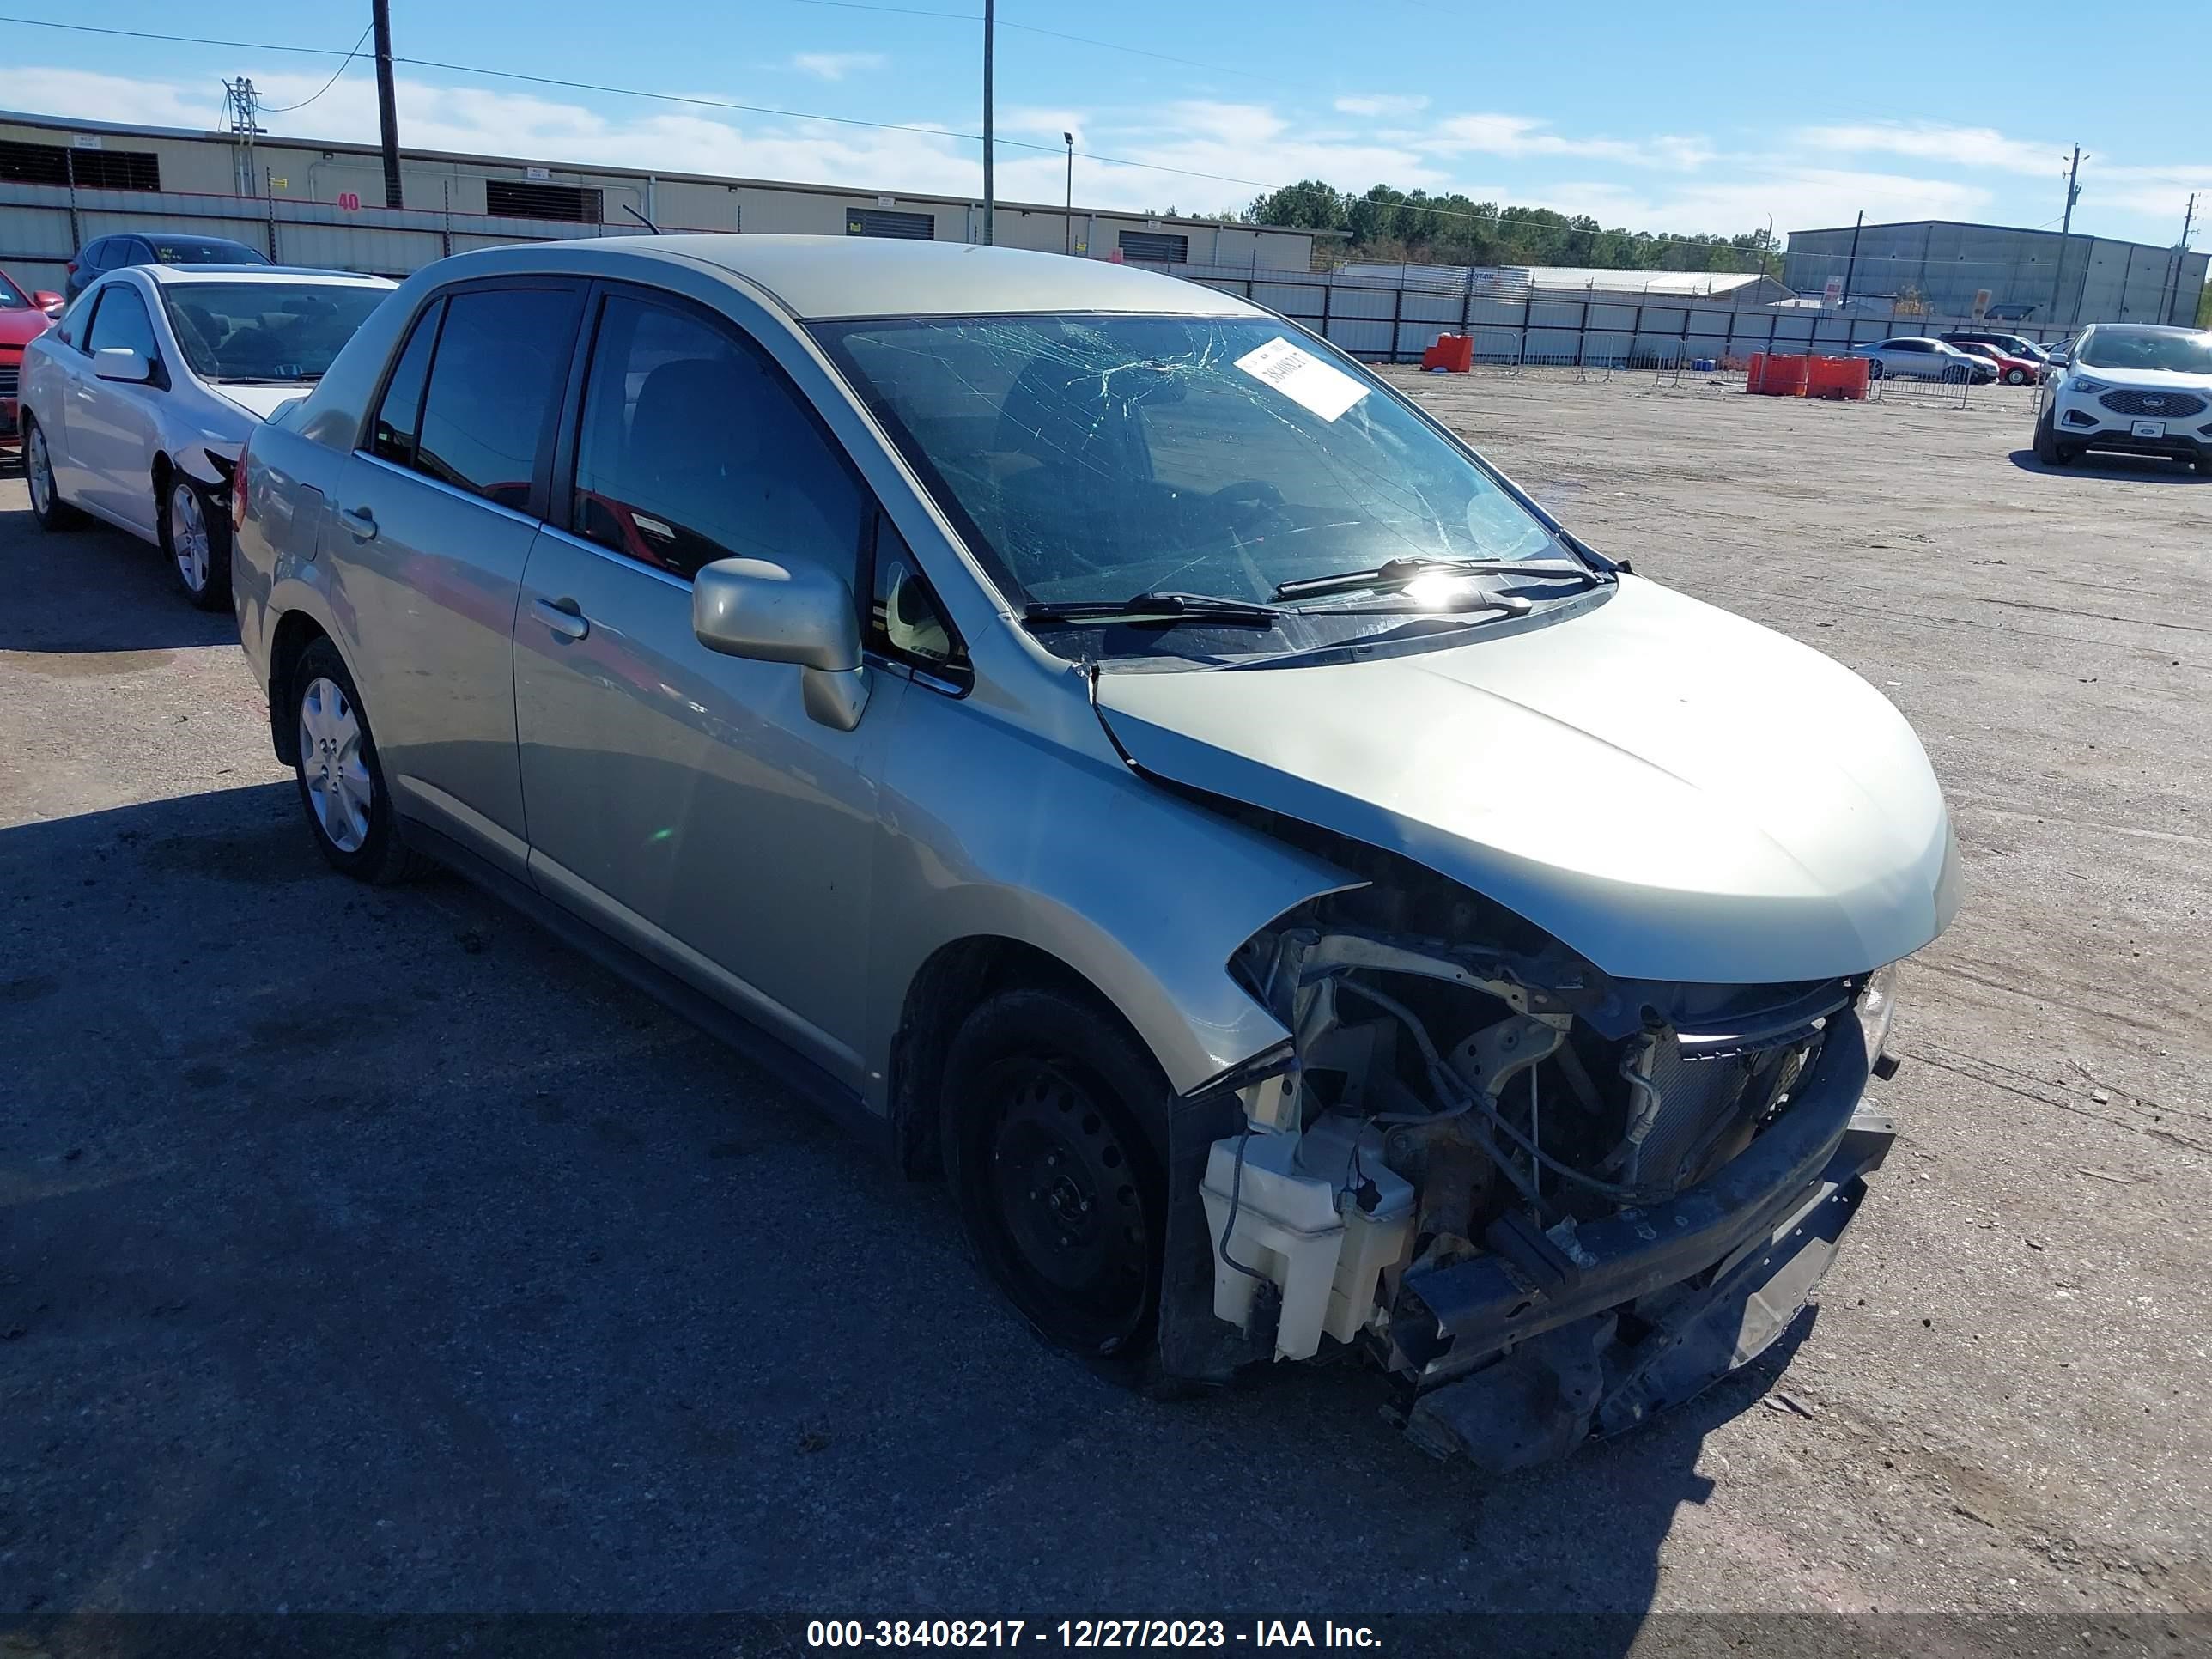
(1057, 1179)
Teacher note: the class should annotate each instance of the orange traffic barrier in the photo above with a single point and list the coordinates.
(1782, 377)
(1455, 352)
(1837, 377)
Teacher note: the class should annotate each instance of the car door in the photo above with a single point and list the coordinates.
(684, 800)
(113, 425)
(433, 520)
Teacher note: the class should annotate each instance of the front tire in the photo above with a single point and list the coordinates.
(1052, 1120)
(2048, 450)
(2015, 377)
(342, 788)
(1956, 375)
(195, 536)
(47, 506)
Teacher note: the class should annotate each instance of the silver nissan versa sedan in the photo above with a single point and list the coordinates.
(1301, 896)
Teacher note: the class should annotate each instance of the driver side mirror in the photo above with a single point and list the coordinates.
(799, 613)
(124, 364)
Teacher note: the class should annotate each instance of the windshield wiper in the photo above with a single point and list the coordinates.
(1399, 573)
(1161, 608)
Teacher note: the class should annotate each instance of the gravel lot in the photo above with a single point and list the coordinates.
(371, 1251)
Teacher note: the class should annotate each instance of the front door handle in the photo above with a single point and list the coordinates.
(360, 522)
(564, 616)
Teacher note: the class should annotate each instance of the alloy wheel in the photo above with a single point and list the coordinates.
(40, 467)
(339, 789)
(188, 536)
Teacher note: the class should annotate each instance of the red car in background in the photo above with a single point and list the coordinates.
(2013, 371)
(23, 318)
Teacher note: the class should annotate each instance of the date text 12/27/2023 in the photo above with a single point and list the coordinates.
(1084, 1634)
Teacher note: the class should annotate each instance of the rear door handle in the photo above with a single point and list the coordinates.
(564, 616)
(360, 522)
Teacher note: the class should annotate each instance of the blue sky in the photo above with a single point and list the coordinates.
(1707, 118)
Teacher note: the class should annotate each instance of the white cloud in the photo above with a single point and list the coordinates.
(1384, 105)
(836, 65)
(1963, 147)
(1520, 136)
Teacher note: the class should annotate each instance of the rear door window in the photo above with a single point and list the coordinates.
(496, 382)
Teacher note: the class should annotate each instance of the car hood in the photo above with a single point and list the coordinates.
(259, 401)
(1669, 790)
(21, 327)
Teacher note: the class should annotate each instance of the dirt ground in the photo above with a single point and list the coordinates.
(371, 1251)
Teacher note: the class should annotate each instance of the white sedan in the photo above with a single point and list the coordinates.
(137, 403)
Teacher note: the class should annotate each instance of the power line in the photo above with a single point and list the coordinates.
(286, 109)
(484, 72)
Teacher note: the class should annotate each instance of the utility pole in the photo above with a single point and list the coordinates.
(1068, 217)
(387, 108)
(2065, 229)
(2174, 264)
(990, 27)
(241, 103)
(1851, 268)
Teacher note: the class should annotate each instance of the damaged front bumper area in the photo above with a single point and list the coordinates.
(1597, 1207)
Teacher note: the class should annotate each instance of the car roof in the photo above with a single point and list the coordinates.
(258, 274)
(173, 235)
(2144, 328)
(829, 277)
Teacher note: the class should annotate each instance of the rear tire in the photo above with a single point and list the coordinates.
(342, 788)
(1874, 368)
(2015, 377)
(1053, 1123)
(195, 530)
(47, 506)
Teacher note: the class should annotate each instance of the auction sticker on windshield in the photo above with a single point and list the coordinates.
(1302, 378)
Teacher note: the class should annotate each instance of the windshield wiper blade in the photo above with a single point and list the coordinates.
(1151, 607)
(1397, 573)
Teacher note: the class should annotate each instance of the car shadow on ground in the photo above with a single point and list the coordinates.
(95, 589)
(2130, 469)
(368, 1249)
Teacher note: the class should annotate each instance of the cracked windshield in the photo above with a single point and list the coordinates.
(1162, 468)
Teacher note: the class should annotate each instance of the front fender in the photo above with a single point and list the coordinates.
(994, 831)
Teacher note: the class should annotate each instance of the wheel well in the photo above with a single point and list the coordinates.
(948, 987)
(295, 632)
(163, 469)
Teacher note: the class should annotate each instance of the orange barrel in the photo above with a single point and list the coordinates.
(1785, 377)
(1853, 377)
(1755, 371)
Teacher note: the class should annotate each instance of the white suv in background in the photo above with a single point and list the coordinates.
(135, 403)
(2133, 388)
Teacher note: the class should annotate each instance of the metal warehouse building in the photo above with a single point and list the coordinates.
(2032, 276)
(306, 202)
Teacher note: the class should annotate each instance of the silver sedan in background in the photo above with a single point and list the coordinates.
(1124, 754)
(1913, 357)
